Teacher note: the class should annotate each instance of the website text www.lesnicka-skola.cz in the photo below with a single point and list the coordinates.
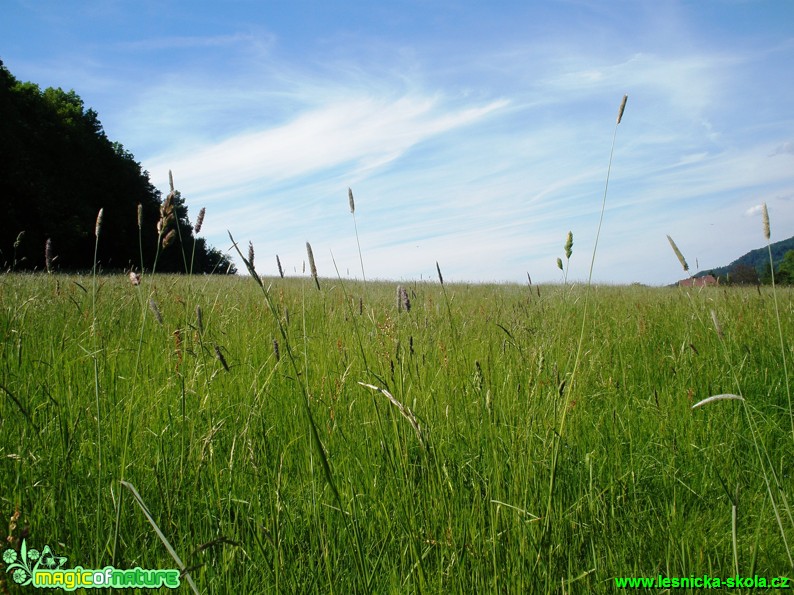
(703, 582)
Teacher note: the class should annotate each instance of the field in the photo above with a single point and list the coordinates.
(496, 460)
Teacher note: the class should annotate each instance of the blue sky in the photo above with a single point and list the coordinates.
(475, 134)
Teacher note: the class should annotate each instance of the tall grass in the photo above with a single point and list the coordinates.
(232, 473)
(776, 493)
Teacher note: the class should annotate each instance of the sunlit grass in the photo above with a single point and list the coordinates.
(227, 465)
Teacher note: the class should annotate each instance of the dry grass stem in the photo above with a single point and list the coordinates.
(250, 268)
(717, 325)
(717, 398)
(404, 411)
(142, 505)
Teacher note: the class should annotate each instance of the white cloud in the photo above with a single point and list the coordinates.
(365, 131)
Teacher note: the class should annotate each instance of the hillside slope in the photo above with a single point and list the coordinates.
(757, 259)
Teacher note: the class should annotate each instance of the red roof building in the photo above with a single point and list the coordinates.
(704, 281)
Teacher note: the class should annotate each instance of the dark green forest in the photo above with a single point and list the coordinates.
(58, 169)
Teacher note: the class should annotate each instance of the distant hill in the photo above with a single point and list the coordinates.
(757, 259)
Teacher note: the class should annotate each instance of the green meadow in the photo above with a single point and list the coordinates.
(485, 456)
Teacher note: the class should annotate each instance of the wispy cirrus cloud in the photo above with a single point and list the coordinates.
(196, 42)
(488, 185)
(362, 132)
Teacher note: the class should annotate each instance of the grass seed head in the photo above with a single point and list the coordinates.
(251, 254)
(246, 261)
(98, 226)
(569, 245)
(678, 254)
(18, 241)
(178, 347)
(559, 263)
(403, 302)
(622, 107)
(169, 238)
(221, 359)
(200, 220)
(156, 311)
(440, 278)
(312, 266)
(765, 216)
(48, 255)
(171, 180)
(166, 214)
(140, 216)
(351, 201)
(280, 270)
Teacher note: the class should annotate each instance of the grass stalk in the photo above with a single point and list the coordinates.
(355, 226)
(767, 236)
(95, 351)
(572, 378)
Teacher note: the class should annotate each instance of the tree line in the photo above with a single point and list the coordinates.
(744, 274)
(58, 169)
